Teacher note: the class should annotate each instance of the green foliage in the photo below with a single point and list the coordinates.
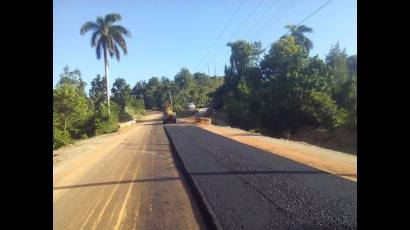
(71, 107)
(106, 36)
(72, 78)
(352, 64)
(288, 89)
(298, 33)
(121, 93)
(60, 138)
(337, 62)
(324, 110)
(75, 116)
(244, 55)
(237, 111)
(196, 88)
(276, 93)
(98, 92)
(104, 123)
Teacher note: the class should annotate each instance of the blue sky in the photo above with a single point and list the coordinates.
(171, 34)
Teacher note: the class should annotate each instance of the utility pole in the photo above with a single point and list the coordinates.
(208, 68)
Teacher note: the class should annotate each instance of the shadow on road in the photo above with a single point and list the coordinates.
(162, 179)
(118, 182)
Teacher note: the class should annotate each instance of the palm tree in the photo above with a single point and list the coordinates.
(107, 37)
(298, 33)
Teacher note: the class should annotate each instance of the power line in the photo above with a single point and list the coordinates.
(289, 7)
(275, 19)
(284, 10)
(313, 13)
(239, 28)
(263, 15)
(222, 32)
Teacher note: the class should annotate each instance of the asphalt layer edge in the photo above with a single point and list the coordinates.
(204, 210)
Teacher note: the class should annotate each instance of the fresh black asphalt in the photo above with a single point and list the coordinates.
(243, 187)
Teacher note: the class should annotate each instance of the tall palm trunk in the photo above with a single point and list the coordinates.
(106, 78)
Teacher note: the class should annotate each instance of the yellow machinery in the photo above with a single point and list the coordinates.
(169, 116)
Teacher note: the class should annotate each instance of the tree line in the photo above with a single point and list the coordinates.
(185, 88)
(285, 89)
(276, 92)
(77, 115)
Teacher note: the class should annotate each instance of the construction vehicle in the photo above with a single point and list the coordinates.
(169, 116)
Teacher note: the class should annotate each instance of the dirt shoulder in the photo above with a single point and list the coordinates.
(335, 162)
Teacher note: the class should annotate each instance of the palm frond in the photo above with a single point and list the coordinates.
(121, 30)
(94, 38)
(106, 37)
(291, 28)
(100, 21)
(98, 49)
(117, 52)
(121, 42)
(111, 43)
(111, 52)
(87, 27)
(304, 29)
(111, 18)
(104, 45)
(309, 44)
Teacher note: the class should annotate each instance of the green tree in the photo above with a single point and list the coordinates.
(152, 90)
(70, 104)
(60, 137)
(97, 92)
(73, 78)
(298, 32)
(109, 38)
(337, 61)
(352, 64)
(283, 69)
(121, 93)
(138, 91)
(184, 81)
(243, 55)
(324, 111)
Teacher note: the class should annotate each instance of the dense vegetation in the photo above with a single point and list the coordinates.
(185, 87)
(286, 88)
(275, 92)
(77, 115)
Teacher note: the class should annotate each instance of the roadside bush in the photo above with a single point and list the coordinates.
(60, 138)
(103, 126)
(323, 110)
(238, 113)
(105, 123)
(137, 105)
(80, 128)
(124, 117)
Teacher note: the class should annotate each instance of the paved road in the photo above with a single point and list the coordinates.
(247, 188)
(132, 184)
